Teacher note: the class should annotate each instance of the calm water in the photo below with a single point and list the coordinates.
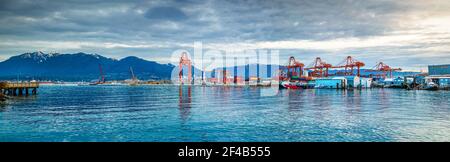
(168, 113)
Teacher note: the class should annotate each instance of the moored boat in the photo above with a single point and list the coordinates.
(293, 85)
(431, 86)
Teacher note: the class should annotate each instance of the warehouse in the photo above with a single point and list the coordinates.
(366, 82)
(443, 82)
(439, 69)
(335, 83)
(393, 82)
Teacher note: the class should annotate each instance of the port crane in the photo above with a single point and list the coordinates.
(294, 69)
(184, 60)
(101, 79)
(384, 69)
(319, 67)
(349, 64)
(133, 77)
(134, 80)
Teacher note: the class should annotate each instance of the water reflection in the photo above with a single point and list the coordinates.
(2, 106)
(184, 102)
(295, 100)
(214, 113)
(352, 102)
(384, 98)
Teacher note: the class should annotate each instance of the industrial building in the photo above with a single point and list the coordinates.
(343, 82)
(439, 69)
(443, 82)
(346, 75)
(333, 83)
(366, 82)
(439, 76)
(393, 82)
(350, 81)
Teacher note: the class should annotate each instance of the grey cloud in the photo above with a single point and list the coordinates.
(186, 21)
(166, 13)
(212, 21)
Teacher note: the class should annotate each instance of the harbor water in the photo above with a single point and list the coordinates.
(173, 113)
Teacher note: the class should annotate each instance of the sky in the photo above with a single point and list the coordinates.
(409, 34)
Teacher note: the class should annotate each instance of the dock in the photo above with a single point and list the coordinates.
(18, 88)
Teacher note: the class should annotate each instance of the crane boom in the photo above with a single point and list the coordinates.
(102, 77)
(133, 77)
(384, 68)
(348, 64)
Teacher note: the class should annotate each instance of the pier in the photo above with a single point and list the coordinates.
(18, 88)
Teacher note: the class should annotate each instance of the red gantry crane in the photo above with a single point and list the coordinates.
(384, 68)
(294, 69)
(184, 60)
(349, 64)
(319, 67)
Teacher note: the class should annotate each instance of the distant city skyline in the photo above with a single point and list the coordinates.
(407, 34)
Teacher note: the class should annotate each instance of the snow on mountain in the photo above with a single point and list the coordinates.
(80, 66)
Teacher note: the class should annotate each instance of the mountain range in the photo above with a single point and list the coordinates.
(86, 67)
(79, 66)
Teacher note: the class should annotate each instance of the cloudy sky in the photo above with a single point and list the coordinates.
(409, 34)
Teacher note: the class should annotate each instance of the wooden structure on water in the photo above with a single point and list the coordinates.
(18, 88)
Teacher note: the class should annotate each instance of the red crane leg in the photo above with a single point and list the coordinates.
(358, 71)
(189, 73)
(180, 74)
